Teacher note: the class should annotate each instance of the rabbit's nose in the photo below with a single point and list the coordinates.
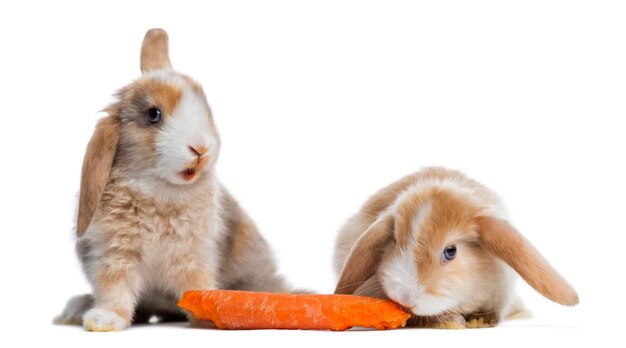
(198, 150)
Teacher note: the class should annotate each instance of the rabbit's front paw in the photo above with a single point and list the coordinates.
(102, 320)
(451, 322)
(477, 321)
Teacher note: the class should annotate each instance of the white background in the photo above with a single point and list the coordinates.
(319, 104)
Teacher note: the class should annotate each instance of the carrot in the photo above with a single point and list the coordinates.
(257, 310)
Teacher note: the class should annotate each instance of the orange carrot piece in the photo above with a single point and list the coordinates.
(257, 310)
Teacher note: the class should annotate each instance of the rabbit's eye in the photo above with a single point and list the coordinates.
(449, 253)
(154, 115)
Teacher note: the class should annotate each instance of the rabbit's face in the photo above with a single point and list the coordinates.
(432, 268)
(166, 129)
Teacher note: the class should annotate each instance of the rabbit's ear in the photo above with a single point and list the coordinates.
(155, 51)
(365, 255)
(502, 239)
(96, 169)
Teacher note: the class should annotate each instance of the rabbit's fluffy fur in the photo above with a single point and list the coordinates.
(153, 219)
(394, 248)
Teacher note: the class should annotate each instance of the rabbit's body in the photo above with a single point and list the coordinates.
(403, 245)
(147, 235)
(153, 219)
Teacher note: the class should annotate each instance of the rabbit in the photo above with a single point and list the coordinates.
(153, 219)
(439, 244)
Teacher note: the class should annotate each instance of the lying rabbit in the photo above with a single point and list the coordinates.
(439, 244)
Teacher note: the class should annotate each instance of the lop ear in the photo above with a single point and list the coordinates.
(154, 51)
(96, 169)
(500, 238)
(365, 255)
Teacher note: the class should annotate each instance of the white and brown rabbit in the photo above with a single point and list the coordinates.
(153, 219)
(439, 244)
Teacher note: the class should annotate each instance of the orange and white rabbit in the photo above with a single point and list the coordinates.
(153, 219)
(439, 244)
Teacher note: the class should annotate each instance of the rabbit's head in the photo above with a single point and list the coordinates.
(437, 249)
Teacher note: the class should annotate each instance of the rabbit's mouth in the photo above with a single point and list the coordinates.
(190, 173)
